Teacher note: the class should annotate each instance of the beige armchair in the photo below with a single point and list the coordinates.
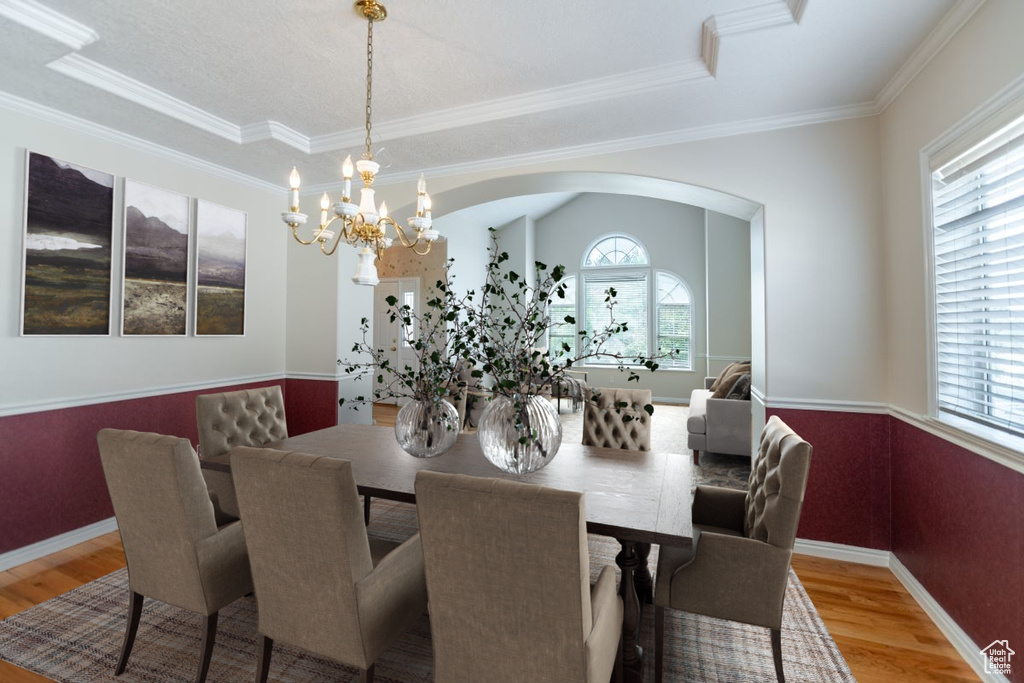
(321, 584)
(616, 419)
(174, 550)
(508, 575)
(251, 417)
(738, 567)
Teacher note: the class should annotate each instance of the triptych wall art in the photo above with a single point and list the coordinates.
(68, 257)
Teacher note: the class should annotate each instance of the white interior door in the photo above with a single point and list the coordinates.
(392, 337)
(386, 334)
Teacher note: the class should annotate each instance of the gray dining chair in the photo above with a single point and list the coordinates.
(249, 417)
(615, 418)
(738, 566)
(174, 550)
(508, 577)
(321, 584)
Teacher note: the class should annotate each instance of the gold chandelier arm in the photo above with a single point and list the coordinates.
(314, 238)
(337, 240)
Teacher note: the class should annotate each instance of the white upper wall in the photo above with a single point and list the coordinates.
(986, 56)
(823, 249)
(728, 291)
(49, 371)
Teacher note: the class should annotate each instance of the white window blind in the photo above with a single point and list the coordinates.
(631, 308)
(674, 321)
(560, 331)
(978, 201)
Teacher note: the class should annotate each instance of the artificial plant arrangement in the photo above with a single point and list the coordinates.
(428, 424)
(511, 324)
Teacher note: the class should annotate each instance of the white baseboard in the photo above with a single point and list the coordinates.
(846, 553)
(967, 648)
(56, 543)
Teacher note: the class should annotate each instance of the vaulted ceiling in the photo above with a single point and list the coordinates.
(257, 86)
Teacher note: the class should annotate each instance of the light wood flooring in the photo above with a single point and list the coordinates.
(881, 631)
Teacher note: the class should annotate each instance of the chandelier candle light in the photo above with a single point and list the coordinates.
(363, 225)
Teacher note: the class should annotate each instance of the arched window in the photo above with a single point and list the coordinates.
(620, 262)
(674, 320)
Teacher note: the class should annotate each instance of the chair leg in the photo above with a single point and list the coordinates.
(696, 457)
(209, 635)
(265, 647)
(659, 643)
(617, 671)
(134, 613)
(366, 675)
(366, 510)
(777, 654)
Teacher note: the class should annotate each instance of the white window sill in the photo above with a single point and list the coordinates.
(639, 368)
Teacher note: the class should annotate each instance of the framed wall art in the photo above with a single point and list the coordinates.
(220, 270)
(156, 240)
(69, 224)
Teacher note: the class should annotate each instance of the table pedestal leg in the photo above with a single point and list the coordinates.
(642, 576)
(632, 654)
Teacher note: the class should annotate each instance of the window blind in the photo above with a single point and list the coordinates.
(630, 308)
(978, 204)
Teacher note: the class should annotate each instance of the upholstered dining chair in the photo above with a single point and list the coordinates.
(508, 577)
(321, 584)
(250, 417)
(615, 418)
(738, 567)
(174, 550)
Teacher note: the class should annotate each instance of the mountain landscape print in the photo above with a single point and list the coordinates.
(69, 227)
(155, 260)
(220, 269)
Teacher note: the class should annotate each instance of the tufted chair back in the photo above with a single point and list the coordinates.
(605, 427)
(778, 478)
(251, 417)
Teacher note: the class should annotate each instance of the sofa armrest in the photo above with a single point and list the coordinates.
(708, 381)
(719, 507)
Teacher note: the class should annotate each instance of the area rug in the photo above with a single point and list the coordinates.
(76, 637)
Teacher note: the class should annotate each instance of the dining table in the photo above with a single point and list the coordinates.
(636, 497)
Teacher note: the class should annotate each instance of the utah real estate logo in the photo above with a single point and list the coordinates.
(997, 657)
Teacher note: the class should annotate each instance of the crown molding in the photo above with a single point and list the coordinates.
(778, 13)
(49, 23)
(42, 112)
(950, 24)
(273, 130)
(718, 130)
(114, 82)
(539, 101)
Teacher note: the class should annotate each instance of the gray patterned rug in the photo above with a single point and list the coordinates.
(76, 637)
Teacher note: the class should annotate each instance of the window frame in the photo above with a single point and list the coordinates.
(651, 274)
(1005, 447)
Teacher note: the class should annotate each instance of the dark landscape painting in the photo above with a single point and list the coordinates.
(69, 214)
(155, 260)
(220, 269)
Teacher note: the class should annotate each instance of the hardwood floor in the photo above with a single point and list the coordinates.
(880, 629)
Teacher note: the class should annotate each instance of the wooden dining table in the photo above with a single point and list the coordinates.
(636, 497)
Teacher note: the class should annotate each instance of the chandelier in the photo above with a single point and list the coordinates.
(363, 225)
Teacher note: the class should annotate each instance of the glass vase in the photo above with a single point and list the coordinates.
(520, 440)
(425, 429)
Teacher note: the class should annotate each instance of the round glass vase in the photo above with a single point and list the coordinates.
(523, 440)
(425, 429)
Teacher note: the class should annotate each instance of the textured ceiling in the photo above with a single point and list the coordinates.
(259, 85)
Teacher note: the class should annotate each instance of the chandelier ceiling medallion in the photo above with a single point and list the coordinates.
(364, 225)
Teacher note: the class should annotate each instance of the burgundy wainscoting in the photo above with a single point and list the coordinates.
(958, 526)
(847, 498)
(310, 405)
(52, 481)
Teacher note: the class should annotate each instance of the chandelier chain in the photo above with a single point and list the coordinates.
(369, 87)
